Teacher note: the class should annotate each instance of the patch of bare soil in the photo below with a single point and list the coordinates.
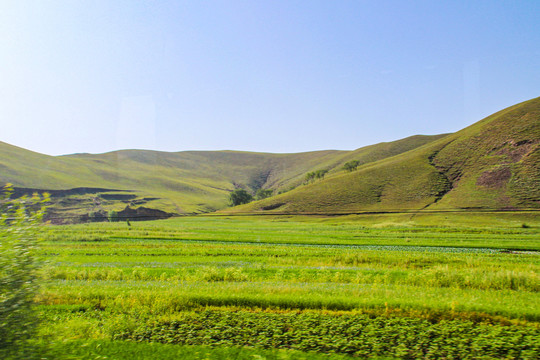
(495, 179)
(515, 151)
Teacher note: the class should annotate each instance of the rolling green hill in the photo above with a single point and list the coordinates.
(177, 183)
(492, 164)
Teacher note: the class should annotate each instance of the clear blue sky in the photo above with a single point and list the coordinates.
(272, 76)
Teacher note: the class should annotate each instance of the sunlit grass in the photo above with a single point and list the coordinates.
(112, 281)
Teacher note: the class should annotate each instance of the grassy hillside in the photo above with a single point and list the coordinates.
(182, 182)
(493, 164)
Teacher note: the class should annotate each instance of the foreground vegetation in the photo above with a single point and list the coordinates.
(393, 286)
(19, 266)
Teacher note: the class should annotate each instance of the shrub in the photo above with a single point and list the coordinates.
(239, 197)
(263, 194)
(18, 271)
(318, 174)
(351, 165)
(112, 216)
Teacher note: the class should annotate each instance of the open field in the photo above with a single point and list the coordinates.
(393, 286)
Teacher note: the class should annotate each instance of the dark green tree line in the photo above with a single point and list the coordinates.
(351, 165)
(315, 175)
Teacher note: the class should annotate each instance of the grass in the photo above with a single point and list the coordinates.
(182, 182)
(500, 231)
(452, 172)
(492, 164)
(128, 350)
(384, 286)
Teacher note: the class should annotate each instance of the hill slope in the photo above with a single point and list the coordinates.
(182, 182)
(492, 164)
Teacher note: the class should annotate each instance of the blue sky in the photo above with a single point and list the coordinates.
(270, 76)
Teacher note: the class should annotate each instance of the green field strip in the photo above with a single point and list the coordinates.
(159, 296)
(451, 249)
(425, 248)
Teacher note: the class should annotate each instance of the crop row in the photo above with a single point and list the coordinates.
(356, 334)
(129, 350)
(312, 285)
(294, 231)
(164, 297)
(172, 251)
(438, 277)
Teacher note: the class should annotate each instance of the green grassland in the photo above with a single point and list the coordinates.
(404, 286)
(429, 250)
(179, 183)
(493, 164)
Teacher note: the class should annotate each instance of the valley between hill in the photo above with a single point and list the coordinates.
(493, 164)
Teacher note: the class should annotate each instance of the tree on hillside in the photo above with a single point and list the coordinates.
(317, 174)
(310, 176)
(351, 165)
(112, 216)
(239, 197)
(263, 194)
